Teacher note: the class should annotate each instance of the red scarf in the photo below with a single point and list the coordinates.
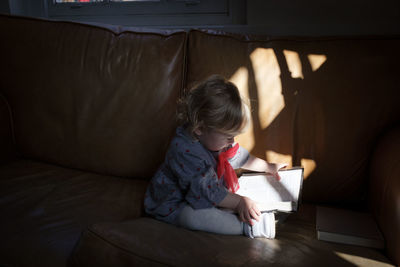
(225, 168)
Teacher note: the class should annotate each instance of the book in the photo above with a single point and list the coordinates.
(271, 194)
(348, 227)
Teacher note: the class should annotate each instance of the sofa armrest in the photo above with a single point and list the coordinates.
(384, 192)
(7, 144)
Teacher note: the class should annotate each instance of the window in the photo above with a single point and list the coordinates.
(158, 13)
(94, 1)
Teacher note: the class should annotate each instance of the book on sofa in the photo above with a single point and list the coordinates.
(348, 227)
(272, 194)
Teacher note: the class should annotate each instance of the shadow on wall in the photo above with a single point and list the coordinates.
(316, 103)
(275, 105)
(272, 82)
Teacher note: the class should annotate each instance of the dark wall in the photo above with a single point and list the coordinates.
(283, 17)
(4, 7)
(328, 17)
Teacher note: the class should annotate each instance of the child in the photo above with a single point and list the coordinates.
(197, 177)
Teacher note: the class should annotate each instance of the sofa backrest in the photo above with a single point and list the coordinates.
(89, 97)
(104, 99)
(384, 190)
(7, 151)
(316, 102)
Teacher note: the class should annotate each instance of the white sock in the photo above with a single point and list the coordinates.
(265, 227)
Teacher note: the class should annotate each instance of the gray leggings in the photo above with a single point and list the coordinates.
(212, 220)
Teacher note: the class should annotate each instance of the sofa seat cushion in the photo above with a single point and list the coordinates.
(146, 241)
(44, 209)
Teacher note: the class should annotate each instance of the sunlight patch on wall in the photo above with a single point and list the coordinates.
(294, 63)
(268, 84)
(241, 79)
(309, 166)
(316, 61)
(275, 157)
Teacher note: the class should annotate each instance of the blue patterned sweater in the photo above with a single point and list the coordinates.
(188, 176)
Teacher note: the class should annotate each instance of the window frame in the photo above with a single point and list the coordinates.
(152, 13)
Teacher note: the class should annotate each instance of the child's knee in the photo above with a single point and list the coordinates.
(187, 218)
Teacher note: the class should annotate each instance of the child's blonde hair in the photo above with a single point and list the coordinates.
(214, 104)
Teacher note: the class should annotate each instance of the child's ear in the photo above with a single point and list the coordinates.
(198, 131)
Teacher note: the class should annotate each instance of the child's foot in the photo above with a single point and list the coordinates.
(265, 227)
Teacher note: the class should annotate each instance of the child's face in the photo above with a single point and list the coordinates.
(214, 140)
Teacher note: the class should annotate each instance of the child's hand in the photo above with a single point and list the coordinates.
(273, 169)
(260, 165)
(248, 210)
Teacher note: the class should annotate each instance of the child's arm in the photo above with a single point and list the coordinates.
(260, 165)
(244, 206)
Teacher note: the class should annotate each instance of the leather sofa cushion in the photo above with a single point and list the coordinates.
(7, 151)
(148, 242)
(45, 208)
(384, 190)
(88, 97)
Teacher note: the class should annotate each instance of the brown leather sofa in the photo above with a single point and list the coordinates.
(86, 112)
